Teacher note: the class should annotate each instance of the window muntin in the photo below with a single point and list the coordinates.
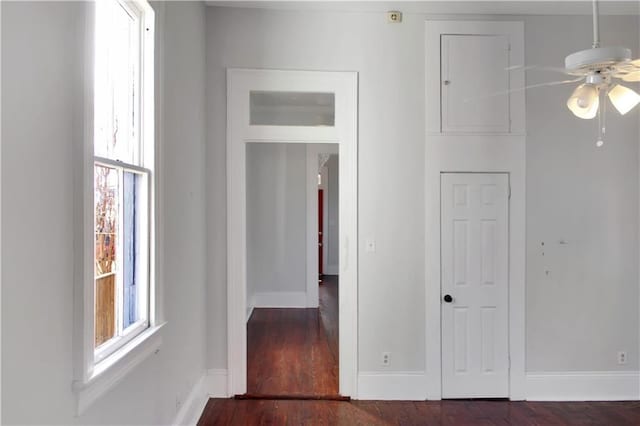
(122, 179)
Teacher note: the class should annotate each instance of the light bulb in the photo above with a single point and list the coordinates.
(584, 101)
(599, 143)
(623, 98)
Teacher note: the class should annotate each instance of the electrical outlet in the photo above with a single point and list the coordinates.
(622, 357)
(370, 245)
(386, 359)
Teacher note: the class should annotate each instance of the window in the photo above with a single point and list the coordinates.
(122, 176)
(117, 314)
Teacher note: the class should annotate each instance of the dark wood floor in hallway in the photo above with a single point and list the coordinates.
(295, 351)
(443, 413)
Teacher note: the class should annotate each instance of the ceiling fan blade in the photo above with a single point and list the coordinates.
(520, 89)
(536, 67)
(628, 66)
(632, 76)
(628, 71)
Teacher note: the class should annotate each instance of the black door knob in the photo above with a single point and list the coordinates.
(447, 298)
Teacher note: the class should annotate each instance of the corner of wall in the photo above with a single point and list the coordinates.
(212, 384)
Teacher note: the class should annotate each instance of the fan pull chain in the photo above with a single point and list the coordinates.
(602, 117)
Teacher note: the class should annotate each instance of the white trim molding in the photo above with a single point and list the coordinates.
(514, 31)
(490, 153)
(217, 383)
(583, 386)
(212, 384)
(344, 86)
(92, 379)
(392, 385)
(113, 369)
(193, 406)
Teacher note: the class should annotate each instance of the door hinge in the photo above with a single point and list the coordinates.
(509, 195)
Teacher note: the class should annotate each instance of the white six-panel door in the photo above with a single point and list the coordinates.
(475, 286)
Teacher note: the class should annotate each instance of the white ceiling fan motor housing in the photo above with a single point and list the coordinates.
(596, 59)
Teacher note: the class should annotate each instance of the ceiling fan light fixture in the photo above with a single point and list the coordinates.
(596, 58)
(584, 101)
(632, 76)
(623, 98)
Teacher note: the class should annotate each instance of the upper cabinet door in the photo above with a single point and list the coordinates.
(474, 83)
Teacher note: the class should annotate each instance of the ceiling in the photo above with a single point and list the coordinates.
(517, 7)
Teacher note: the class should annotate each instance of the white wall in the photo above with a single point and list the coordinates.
(578, 318)
(276, 223)
(585, 309)
(333, 175)
(42, 57)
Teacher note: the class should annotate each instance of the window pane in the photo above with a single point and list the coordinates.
(133, 275)
(116, 83)
(291, 109)
(106, 226)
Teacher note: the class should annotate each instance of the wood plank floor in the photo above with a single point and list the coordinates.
(295, 351)
(459, 413)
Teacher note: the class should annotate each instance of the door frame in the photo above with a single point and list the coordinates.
(313, 151)
(516, 265)
(239, 132)
(508, 177)
(321, 244)
(487, 152)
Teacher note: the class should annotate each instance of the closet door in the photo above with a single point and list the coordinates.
(474, 79)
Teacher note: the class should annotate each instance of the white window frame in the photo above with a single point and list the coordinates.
(112, 345)
(95, 372)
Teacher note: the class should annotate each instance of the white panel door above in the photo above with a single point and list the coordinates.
(473, 71)
(475, 285)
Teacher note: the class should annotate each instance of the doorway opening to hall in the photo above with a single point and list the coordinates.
(292, 270)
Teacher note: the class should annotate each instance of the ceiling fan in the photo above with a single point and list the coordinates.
(601, 69)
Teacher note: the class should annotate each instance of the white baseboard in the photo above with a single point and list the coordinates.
(392, 385)
(249, 311)
(583, 386)
(284, 299)
(193, 406)
(217, 383)
(212, 384)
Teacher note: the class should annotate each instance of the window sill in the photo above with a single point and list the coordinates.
(108, 372)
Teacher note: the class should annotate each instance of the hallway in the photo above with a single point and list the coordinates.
(294, 351)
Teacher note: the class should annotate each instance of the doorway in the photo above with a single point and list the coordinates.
(292, 327)
(320, 232)
(324, 106)
(475, 285)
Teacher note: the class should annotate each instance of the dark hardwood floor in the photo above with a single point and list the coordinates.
(458, 413)
(295, 351)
